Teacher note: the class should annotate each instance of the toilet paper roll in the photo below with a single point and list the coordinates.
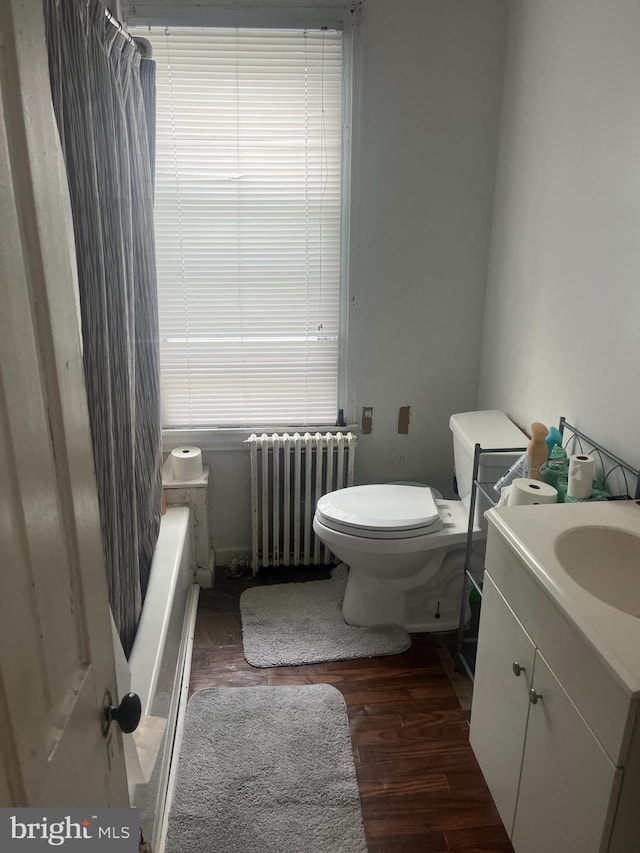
(526, 492)
(581, 472)
(186, 463)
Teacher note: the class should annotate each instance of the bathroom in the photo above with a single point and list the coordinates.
(502, 205)
(499, 197)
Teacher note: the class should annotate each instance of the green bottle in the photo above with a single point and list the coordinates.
(556, 465)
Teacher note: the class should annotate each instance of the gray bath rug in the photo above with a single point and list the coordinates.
(290, 624)
(266, 770)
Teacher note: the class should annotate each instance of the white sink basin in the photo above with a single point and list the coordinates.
(587, 558)
(605, 561)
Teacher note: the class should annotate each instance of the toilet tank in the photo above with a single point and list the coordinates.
(489, 429)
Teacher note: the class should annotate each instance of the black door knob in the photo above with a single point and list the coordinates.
(127, 714)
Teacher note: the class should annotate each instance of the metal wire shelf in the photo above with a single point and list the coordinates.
(619, 478)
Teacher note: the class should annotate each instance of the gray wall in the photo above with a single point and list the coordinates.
(562, 321)
(428, 143)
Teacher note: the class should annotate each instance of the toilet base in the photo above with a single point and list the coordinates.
(428, 606)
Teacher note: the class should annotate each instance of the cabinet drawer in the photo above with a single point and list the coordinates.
(598, 696)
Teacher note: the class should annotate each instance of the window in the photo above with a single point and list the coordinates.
(248, 221)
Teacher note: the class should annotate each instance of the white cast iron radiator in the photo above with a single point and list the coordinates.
(288, 475)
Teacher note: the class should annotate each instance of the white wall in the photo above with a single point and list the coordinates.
(428, 139)
(562, 324)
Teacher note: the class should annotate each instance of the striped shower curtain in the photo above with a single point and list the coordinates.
(103, 95)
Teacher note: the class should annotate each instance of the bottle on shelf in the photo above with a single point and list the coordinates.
(557, 465)
(537, 452)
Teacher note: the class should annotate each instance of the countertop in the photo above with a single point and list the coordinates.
(531, 532)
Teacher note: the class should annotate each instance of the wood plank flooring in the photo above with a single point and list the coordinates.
(420, 785)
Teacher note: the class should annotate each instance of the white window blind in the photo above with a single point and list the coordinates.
(248, 224)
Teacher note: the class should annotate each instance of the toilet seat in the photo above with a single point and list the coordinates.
(380, 511)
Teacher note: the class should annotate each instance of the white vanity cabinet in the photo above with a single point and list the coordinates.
(551, 780)
(554, 732)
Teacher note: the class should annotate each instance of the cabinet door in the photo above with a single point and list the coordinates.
(568, 782)
(500, 699)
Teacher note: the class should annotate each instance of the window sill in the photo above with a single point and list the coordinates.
(233, 439)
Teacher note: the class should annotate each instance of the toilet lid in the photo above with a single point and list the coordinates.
(387, 507)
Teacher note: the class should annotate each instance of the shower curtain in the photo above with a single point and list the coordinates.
(102, 91)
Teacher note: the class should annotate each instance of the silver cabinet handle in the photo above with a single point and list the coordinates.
(533, 696)
(517, 669)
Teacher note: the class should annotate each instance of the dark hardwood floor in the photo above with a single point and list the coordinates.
(420, 785)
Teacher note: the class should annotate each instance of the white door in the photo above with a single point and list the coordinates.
(56, 655)
(500, 699)
(568, 784)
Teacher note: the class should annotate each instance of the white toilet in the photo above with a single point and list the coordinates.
(404, 547)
